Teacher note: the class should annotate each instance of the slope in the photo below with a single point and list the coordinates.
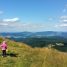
(21, 55)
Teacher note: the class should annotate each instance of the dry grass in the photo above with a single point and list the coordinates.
(21, 55)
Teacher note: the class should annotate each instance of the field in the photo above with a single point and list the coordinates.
(22, 55)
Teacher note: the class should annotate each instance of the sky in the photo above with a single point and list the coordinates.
(33, 15)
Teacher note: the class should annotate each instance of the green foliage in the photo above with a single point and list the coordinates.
(1, 39)
(42, 41)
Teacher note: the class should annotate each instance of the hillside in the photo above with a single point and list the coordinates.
(22, 55)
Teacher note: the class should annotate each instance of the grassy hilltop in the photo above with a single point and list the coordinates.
(22, 55)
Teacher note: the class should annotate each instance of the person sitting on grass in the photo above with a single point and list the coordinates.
(3, 47)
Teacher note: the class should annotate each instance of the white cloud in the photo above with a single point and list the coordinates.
(63, 17)
(3, 24)
(19, 26)
(61, 25)
(65, 20)
(28, 25)
(11, 20)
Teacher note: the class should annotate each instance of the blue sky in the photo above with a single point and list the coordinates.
(33, 15)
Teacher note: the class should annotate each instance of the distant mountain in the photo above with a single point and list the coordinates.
(33, 34)
(37, 39)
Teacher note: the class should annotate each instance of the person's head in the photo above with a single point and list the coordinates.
(4, 41)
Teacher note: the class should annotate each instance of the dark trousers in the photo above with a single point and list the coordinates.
(3, 53)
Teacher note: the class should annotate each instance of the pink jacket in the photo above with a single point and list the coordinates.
(3, 45)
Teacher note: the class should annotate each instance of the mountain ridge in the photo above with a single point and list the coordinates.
(33, 34)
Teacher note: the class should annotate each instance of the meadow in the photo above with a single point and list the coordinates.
(23, 55)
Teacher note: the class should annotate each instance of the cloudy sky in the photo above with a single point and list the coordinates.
(33, 15)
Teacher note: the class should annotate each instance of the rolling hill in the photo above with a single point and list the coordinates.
(22, 55)
(33, 34)
(37, 39)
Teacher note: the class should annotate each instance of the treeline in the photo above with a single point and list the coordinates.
(42, 41)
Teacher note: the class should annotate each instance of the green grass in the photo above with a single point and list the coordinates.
(22, 55)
